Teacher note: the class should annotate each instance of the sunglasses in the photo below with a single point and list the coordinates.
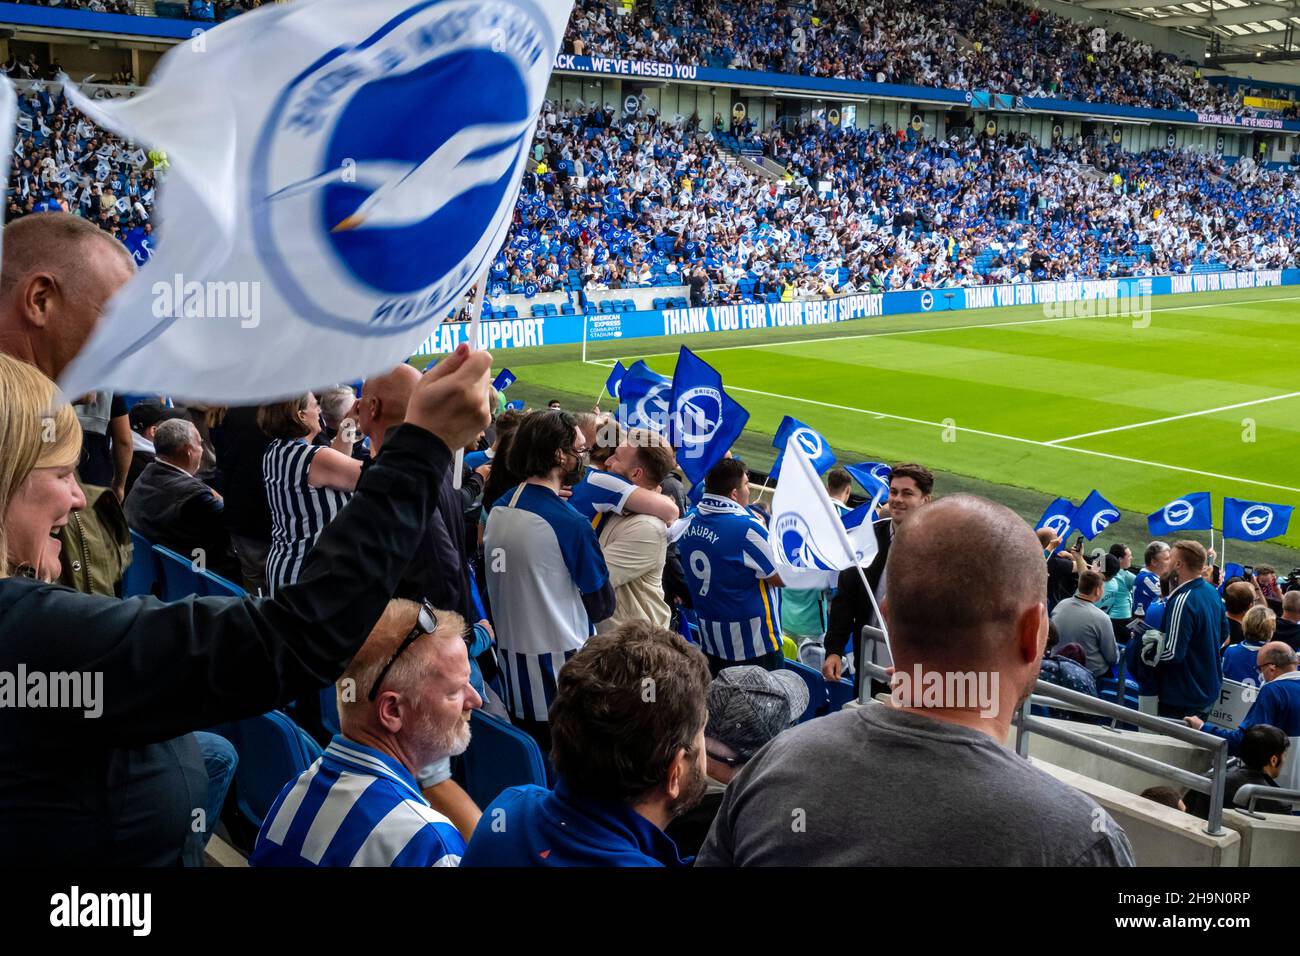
(425, 623)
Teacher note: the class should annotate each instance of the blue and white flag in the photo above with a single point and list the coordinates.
(504, 380)
(1094, 516)
(873, 476)
(812, 442)
(643, 397)
(706, 421)
(140, 244)
(1188, 513)
(1058, 518)
(810, 544)
(615, 379)
(1254, 520)
(517, 405)
(341, 174)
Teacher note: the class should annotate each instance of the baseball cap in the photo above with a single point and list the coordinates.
(146, 414)
(748, 706)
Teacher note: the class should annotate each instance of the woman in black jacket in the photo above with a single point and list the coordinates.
(110, 779)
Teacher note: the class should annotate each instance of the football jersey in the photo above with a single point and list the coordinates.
(540, 557)
(598, 494)
(726, 557)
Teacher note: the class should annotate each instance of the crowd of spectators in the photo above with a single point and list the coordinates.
(1009, 47)
(64, 163)
(627, 201)
(556, 584)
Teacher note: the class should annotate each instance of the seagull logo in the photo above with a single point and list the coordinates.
(794, 539)
(404, 194)
(385, 177)
(1102, 520)
(1058, 525)
(1178, 513)
(1257, 519)
(699, 415)
(809, 441)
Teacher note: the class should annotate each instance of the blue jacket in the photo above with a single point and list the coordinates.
(560, 828)
(1196, 626)
(1278, 705)
(1239, 662)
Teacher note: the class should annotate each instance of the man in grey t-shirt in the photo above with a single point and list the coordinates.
(928, 781)
(1079, 621)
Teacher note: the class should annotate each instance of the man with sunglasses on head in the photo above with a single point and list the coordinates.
(404, 709)
(547, 579)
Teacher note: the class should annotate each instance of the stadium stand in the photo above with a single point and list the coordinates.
(620, 213)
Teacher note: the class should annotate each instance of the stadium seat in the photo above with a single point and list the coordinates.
(179, 579)
(839, 693)
(272, 751)
(141, 577)
(499, 756)
(816, 688)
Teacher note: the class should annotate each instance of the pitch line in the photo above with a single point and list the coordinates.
(958, 328)
(1173, 418)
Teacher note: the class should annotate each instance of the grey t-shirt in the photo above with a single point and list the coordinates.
(876, 786)
(1082, 622)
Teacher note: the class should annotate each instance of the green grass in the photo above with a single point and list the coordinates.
(977, 396)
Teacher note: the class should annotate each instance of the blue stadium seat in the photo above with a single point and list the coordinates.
(538, 310)
(179, 579)
(816, 688)
(567, 309)
(659, 304)
(272, 751)
(142, 575)
(499, 756)
(512, 312)
(214, 585)
(839, 692)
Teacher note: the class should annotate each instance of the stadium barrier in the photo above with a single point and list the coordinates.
(1126, 294)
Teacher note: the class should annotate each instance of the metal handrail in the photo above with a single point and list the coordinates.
(1026, 724)
(1252, 793)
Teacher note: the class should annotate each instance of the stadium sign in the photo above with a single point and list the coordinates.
(601, 327)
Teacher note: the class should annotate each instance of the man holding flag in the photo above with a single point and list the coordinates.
(911, 486)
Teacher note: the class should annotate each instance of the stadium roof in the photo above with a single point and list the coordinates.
(1268, 28)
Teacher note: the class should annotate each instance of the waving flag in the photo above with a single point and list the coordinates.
(1188, 513)
(1254, 520)
(1058, 518)
(341, 174)
(504, 380)
(706, 421)
(873, 476)
(1094, 516)
(643, 396)
(615, 379)
(816, 447)
(809, 541)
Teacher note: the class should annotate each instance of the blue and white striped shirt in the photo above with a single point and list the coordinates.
(355, 806)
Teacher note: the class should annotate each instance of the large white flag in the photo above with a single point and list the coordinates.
(809, 542)
(340, 174)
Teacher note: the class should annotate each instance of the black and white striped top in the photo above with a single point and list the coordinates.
(299, 512)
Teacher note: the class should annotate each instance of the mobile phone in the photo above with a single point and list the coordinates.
(1078, 543)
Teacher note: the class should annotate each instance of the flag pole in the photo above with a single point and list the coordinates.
(475, 314)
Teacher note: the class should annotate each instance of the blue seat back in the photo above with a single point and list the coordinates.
(839, 692)
(142, 575)
(499, 756)
(816, 688)
(272, 751)
(179, 579)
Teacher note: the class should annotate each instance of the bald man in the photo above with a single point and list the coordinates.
(439, 570)
(927, 780)
(1278, 705)
(59, 272)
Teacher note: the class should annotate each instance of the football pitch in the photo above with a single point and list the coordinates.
(1201, 394)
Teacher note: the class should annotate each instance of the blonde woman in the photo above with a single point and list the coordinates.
(108, 776)
(1257, 627)
(38, 487)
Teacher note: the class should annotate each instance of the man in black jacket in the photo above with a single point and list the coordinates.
(171, 507)
(910, 487)
(121, 788)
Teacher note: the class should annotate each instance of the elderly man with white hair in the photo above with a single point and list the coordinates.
(171, 507)
(404, 709)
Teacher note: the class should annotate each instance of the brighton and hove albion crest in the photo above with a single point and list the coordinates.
(371, 163)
